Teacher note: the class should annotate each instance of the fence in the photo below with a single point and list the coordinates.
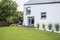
(4, 23)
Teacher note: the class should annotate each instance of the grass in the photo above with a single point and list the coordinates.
(18, 33)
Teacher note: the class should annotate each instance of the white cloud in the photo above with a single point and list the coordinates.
(20, 4)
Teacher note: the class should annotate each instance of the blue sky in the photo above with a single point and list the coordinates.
(20, 4)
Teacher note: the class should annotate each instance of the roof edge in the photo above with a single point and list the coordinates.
(43, 3)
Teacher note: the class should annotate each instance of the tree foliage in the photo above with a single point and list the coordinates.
(7, 8)
(16, 18)
(8, 12)
(19, 14)
(11, 20)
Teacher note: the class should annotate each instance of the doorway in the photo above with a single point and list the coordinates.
(30, 21)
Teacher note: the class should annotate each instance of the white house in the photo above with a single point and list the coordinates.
(42, 12)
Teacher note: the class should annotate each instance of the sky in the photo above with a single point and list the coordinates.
(20, 4)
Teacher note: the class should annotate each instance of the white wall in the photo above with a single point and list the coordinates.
(52, 10)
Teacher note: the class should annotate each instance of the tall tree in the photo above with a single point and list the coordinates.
(7, 8)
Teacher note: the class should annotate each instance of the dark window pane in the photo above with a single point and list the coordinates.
(43, 15)
(28, 11)
(32, 21)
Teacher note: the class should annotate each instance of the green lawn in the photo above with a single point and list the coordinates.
(18, 33)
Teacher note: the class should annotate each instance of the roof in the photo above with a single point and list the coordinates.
(41, 1)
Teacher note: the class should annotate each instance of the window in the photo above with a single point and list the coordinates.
(30, 20)
(28, 11)
(43, 15)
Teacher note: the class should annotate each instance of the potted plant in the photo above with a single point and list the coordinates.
(49, 26)
(57, 27)
(43, 26)
(38, 25)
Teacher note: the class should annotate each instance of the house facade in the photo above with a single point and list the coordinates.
(42, 12)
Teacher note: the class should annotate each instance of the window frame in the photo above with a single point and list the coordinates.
(43, 15)
(28, 10)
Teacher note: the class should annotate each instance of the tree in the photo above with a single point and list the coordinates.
(19, 15)
(7, 8)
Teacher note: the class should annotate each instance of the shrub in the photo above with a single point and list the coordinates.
(57, 27)
(43, 26)
(49, 26)
(10, 20)
(13, 25)
(32, 25)
(16, 20)
(38, 25)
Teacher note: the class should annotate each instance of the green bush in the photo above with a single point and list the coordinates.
(13, 20)
(13, 25)
(49, 26)
(16, 20)
(38, 25)
(10, 20)
(32, 25)
(43, 26)
(57, 27)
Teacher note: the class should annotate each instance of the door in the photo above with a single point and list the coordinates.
(30, 21)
